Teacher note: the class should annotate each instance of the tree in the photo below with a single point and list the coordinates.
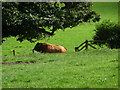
(33, 20)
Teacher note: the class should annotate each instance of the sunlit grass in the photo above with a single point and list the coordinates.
(87, 69)
(94, 68)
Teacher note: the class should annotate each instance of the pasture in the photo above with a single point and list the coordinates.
(86, 69)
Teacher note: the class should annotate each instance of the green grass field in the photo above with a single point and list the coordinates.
(86, 69)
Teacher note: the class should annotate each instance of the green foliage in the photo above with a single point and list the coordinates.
(28, 20)
(107, 33)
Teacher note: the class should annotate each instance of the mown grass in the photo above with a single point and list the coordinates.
(86, 69)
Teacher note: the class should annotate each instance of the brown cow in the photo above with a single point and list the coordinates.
(49, 48)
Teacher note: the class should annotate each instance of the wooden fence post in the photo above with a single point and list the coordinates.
(14, 52)
(86, 42)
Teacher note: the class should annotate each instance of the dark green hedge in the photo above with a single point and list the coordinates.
(107, 33)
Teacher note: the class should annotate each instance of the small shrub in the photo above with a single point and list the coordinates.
(107, 33)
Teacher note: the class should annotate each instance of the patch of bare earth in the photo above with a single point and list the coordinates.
(14, 63)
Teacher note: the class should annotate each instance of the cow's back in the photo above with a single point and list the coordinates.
(56, 49)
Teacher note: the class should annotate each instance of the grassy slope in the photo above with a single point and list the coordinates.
(70, 37)
(91, 69)
(108, 10)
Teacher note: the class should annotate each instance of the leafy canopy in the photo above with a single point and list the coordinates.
(36, 20)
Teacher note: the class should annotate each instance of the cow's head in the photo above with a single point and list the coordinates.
(38, 47)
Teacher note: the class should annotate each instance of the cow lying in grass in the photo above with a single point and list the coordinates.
(49, 48)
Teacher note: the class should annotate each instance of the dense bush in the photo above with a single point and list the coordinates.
(107, 33)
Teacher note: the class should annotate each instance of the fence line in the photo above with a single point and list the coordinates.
(86, 45)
